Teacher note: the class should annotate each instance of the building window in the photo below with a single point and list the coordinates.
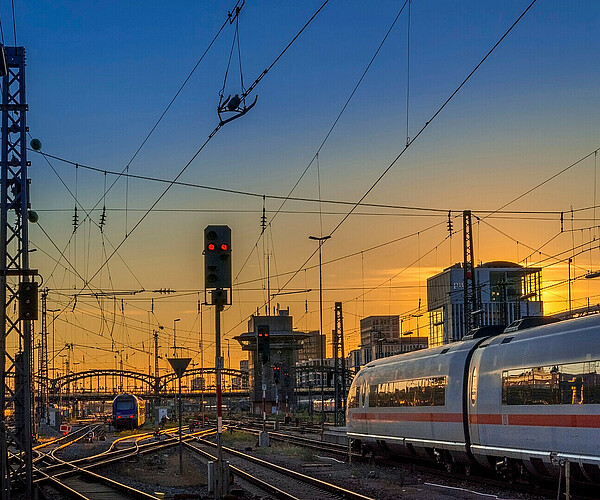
(417, 392)
(436, 327)
(573, 383)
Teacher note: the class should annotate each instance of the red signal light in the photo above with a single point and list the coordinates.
(211, 246)
(224, 246)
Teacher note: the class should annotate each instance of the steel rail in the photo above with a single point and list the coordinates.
(263, 485)
(331, 488)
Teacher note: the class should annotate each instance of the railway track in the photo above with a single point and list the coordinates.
(476, 476)
(274, 479)
(73, 479)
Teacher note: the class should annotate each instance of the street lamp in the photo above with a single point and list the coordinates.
(175, 337)
(321, 239)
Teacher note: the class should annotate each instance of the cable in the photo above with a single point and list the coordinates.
(1, 31)
(211, 135)
(166, 110)
(329, 132)
(554, 176)
(437, 112)
(434, 116)
(483, 212)
(261, 76)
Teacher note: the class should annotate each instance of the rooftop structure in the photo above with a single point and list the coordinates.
(505, 292)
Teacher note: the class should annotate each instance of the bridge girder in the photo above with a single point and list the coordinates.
(155, 384)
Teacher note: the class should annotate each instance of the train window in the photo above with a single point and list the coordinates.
(127, 404)
(353, 397)
(573, 383)
(474, 386)
(429, 391)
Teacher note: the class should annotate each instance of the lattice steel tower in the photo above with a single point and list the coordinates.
(470, 282)
(15, 275)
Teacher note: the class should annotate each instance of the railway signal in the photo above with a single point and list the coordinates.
(217, 257)
(276, 374)
(28, 300)
(264, 343)
(217, 277)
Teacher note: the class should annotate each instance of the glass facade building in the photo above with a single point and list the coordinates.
(505, 291)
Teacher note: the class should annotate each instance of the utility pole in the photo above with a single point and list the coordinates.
(44, 383)
(156, 374)
(470, 284)
(15, 277)
(202, 363)
(339, 366)
(321, 240)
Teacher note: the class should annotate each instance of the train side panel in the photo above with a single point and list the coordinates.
(412, 403)
(534, 398)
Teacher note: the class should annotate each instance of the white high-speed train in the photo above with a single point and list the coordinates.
(524, 401)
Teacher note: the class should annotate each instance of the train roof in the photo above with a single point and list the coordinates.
(423, 353)
(570, 326)
(566, 326)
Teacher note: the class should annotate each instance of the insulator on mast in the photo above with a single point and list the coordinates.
(102, 218)
(75, 219)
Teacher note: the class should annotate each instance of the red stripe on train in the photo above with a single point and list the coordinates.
(584, 421)
(556, 420)
(409, 417)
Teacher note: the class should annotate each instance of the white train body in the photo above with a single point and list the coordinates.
(527, 399)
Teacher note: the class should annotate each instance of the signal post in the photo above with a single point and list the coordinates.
(264, 349)
(217, 280)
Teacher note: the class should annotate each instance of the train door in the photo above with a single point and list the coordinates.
(472, 401)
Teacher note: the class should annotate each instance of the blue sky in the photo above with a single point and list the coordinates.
(100, 73)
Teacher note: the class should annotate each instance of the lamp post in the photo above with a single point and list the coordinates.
(570, 302)
(175, 336)
(321, 239)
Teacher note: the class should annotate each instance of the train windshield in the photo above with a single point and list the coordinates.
(125, 405)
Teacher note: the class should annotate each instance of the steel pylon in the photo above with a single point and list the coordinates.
(15, 335)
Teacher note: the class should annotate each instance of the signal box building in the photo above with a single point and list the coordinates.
(278, 374)
(506, 292)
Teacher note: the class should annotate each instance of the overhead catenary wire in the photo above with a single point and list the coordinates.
(434, 116)
(421, 130)
(329, 132)
(210, 136)
(1, 30)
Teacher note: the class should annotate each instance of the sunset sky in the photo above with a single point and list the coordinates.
(100, 74)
